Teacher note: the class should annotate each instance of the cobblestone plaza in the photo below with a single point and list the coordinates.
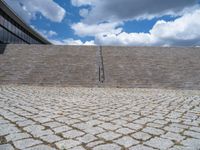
(119, 76)
(47, 118)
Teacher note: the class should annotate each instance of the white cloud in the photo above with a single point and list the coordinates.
(71, 41)
(27, 9)
(79, 3)
(52, 33)
(128, 39)
(82, 29)
(50, 36)
(47, 34)
(122, 10)
(84, 12)
(184, 31)
(104, 19)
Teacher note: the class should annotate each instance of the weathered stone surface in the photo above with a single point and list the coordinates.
(173, 136)
(141, 136)
(51, 138)
(107, 146)
(149, 67)
(192, 134)
(50, 65)
(62, 129)
(192, 143)
(25, 143)
(6, 147)
(126, 141)
(109, 126)
(41, 147)
(153, 131)
(125, 131)
(72, 134)
(173, 129)
(66, 144)
(141, 147)
(109, 135)
(94, 130)
(159, 143)
(98, 118)
(87, 138)
(4, 130)
(93, 144)
(77, 148)
(152, 67)
(17, 136)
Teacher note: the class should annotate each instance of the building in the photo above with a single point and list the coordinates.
(14, 30)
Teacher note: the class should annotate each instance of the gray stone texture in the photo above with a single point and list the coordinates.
(152, 67)
(98, 118)
(148, 67)
(48, 65)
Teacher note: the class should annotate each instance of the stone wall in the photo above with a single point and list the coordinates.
(48, 65)
(131, 67)
(152, 67)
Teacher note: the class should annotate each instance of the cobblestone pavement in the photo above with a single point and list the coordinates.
(48, 118)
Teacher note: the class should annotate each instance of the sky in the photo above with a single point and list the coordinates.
(113, 22)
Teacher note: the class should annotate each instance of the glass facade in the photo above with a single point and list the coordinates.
(11, 32)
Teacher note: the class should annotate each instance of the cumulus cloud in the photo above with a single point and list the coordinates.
(47, 34)
(103, 20)
(71, 41)
(28, 9)
(79, 3)
(82, 29)
(184, 31)
(120, 10)
(84, 12)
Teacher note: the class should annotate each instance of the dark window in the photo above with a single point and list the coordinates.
(1, 20)
(1, 34)
(5, 36)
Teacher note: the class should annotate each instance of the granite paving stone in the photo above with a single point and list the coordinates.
(73, 134)
(6, 147)
(107, 146)
(153, 131)
(41, 117)
(126, 141)
(173, 136)
(141, 147)
(25, 143)
(159, 143)
(61, 129)
(41, 147)
(192, 134)
(87, 138)
(192, 143)
(109, 135)
(17, 136)
(51, 138)
(66, 144)
(141, 136)
(94, 130)
(78, 148)
(125, 131)
(92, 144)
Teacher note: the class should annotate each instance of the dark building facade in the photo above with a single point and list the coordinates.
(13, 30)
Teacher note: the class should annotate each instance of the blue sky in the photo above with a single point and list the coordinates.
(116, 22)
